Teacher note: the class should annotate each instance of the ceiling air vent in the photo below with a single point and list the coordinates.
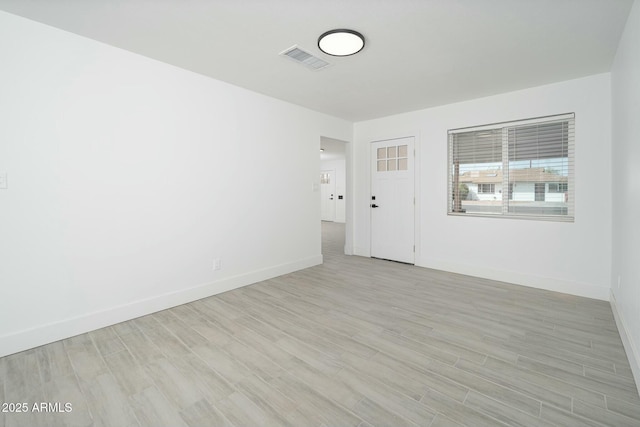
(305, 58)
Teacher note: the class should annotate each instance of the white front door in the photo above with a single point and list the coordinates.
(392, 200)
(328, 195)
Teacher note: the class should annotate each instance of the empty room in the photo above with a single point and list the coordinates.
(319, 213)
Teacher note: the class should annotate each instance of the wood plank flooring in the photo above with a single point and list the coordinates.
(354, 342)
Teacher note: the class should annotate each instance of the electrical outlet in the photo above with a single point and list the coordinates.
(217, 264)
(3, 181)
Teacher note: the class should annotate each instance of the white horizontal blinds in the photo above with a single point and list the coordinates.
(540, 166)
(540, 141)
(477, 148)
(476, 166)
(516, 168)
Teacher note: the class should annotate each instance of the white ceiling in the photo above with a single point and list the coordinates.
(419, 53)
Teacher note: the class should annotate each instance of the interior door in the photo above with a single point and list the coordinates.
(392, 200)
(327, 195)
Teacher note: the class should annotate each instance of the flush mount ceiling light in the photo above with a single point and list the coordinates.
(341, 42)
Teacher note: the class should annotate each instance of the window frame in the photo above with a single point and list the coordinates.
(453, 170)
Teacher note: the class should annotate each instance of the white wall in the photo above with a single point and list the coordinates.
(339, 166)
(566, 257)
(625, 277)
(127, 177)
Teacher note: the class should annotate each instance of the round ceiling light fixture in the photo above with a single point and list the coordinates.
(341, 42)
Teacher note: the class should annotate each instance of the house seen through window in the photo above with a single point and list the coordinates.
(514, 169)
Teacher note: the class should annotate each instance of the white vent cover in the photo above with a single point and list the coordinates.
(305, 58)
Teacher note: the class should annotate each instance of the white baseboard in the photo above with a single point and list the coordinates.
(55, 331)
(632, 350)
(564, 286)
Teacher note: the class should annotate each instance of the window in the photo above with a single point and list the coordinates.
(486, 188)
(532, 160)
(394, 158)
(558, 187)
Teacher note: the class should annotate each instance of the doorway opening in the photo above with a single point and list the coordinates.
(333, 194)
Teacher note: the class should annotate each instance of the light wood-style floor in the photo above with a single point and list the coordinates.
(354, 342)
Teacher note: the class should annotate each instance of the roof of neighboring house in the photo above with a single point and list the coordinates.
(515, 175)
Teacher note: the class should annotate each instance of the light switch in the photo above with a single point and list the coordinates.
(3, 181)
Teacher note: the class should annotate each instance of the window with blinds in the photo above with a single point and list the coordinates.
(514, 169)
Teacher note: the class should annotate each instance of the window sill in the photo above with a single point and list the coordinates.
(566, 218)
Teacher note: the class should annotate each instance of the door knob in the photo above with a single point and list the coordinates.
(374, 205)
